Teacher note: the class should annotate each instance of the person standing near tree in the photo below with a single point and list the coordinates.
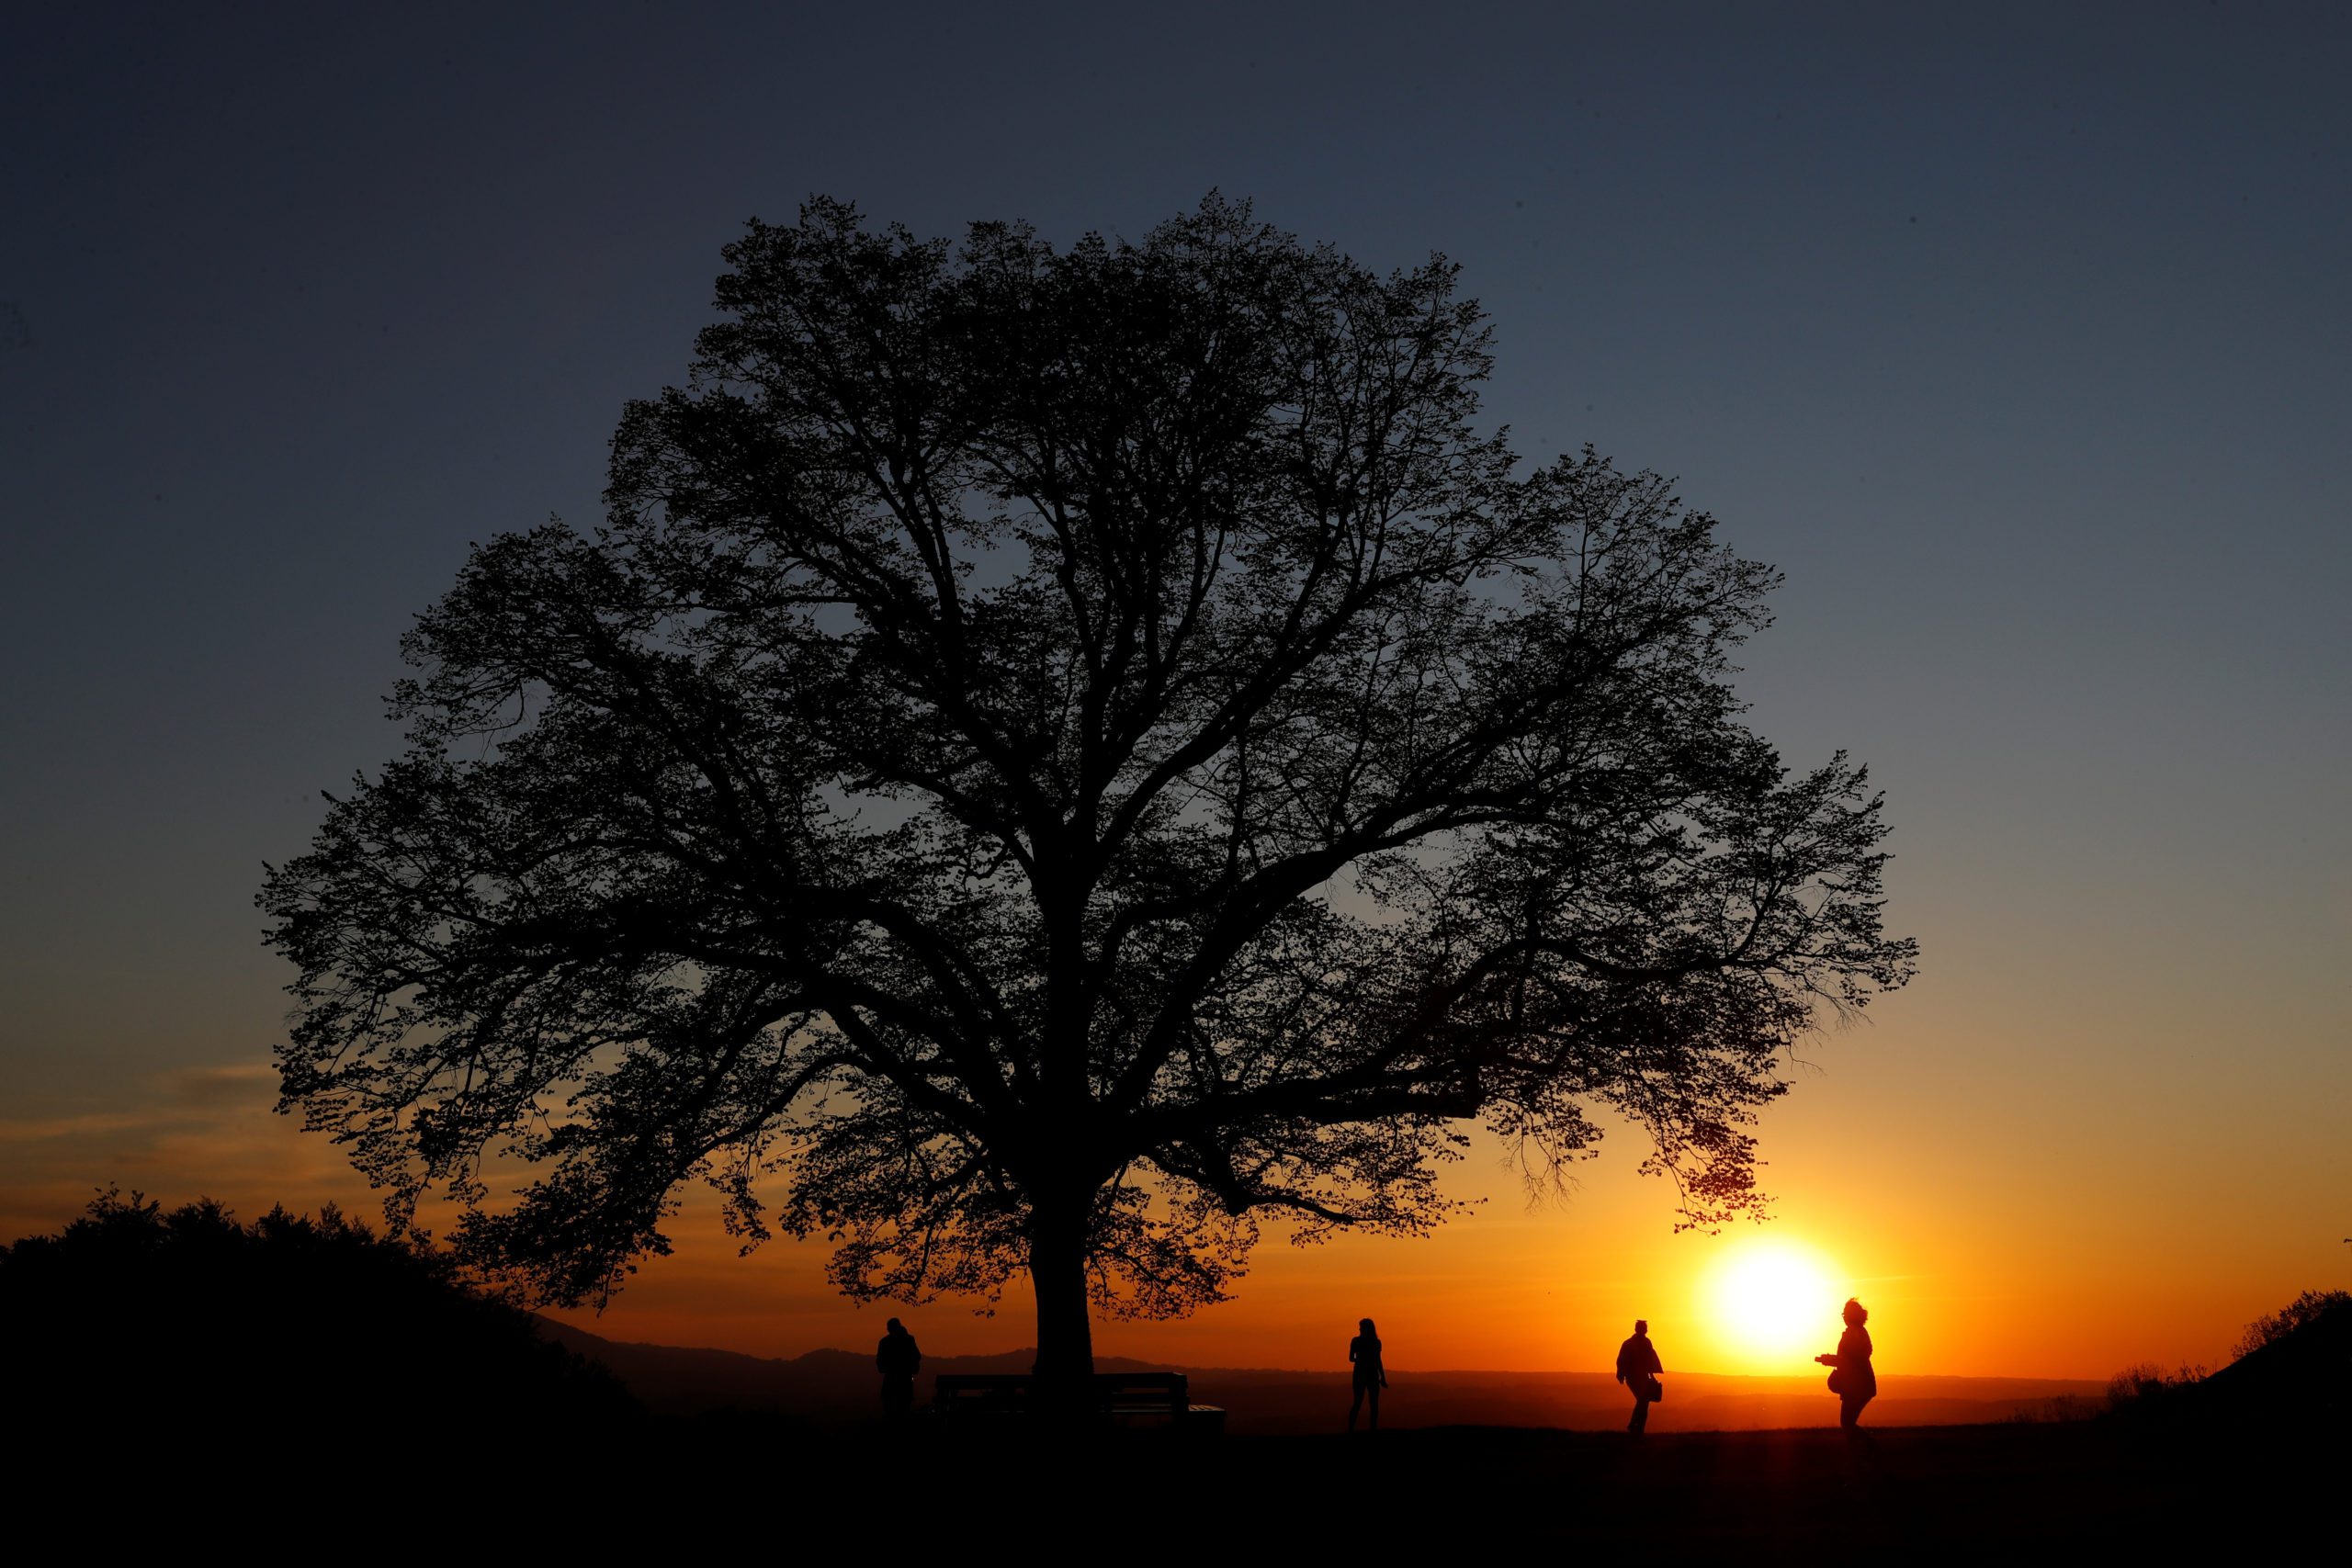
(897, 1359)
(1639, 1368)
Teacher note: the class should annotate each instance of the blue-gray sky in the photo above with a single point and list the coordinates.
(2020, 338)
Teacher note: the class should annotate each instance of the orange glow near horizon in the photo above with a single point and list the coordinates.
(1989, 1242)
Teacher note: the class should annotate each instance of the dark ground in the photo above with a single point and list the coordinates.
(2007, 1492)
(498, 1482)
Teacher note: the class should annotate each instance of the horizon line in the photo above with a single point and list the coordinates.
(1316, 1371)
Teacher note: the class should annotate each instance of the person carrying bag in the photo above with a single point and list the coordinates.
(1638, 1369)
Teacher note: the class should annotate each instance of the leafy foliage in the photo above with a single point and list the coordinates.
(1052, 756)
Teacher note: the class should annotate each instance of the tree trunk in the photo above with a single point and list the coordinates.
(1064, 1386)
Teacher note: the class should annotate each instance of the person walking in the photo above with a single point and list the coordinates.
(1853, 1382)
(1371, 1377)
(1638, 1369)
(897, 1359)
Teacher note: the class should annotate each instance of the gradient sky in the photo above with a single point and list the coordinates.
(2020, 338)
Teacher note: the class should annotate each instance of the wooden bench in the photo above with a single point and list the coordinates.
(973, 1394)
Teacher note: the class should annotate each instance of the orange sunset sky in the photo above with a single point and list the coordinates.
(2017, 338)
(2003, 1196)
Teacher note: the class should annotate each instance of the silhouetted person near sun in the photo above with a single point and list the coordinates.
(897, 1359)
(1853, 1382)
(1371, 1376)
(1638, 1369)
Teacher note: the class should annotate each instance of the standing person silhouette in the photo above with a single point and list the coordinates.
(1638, 1369)
(1853, 1382)
(1371, 1376)
(897, 1359)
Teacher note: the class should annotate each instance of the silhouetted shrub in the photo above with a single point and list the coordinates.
(2308, 1312)
(2293, 1371)
(2143, 1389)
(2062, 1408)
(139, 1328)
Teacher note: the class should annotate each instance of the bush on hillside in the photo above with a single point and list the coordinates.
(2145, 1386)
(136, 1326)
(2306, 1312)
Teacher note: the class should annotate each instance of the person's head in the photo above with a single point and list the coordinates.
(1856, 1313)
(895, 1326)
(1364, 1327)
(1641, 1325)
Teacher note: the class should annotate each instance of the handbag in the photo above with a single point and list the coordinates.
(1658, 1390)
(1838, 1380)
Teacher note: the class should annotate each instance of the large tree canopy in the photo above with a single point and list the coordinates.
(1052, 756)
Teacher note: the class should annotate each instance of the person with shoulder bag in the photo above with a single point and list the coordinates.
(1638, 1369)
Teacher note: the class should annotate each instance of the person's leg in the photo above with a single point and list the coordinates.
(1641, 1421)
(1850, 1410)
(1354, 1406)
(1375, 1391)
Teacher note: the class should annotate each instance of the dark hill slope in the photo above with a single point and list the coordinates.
(2298, 1364)
(189, 1333)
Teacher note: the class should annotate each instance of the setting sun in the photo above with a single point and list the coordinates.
(1773, 1299)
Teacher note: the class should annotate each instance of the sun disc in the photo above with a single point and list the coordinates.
(1772, 1299)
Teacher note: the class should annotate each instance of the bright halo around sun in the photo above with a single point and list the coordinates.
(1772, 1300)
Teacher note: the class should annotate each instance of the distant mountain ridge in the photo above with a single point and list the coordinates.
(831, 1386)
(819, 1384)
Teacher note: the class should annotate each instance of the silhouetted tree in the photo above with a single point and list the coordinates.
(1056, 755)
(141, 1325)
